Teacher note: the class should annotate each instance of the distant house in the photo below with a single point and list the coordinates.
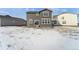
(41, 18)
(67, 19)
(6, 20)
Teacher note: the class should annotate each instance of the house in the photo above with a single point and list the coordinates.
(6, 20)
(41, 18)
(67, 19)
(44, 18)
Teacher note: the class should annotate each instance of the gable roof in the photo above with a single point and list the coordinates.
(67, 13)
(5, 16)
(46, 9)
(12, 17)
(32, 12)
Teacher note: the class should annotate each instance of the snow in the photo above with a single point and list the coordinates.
(23, 38)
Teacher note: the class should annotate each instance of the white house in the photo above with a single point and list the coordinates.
(67, 19)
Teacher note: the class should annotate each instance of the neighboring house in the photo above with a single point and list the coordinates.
(6, 20)
(41, 18)
(67, 19)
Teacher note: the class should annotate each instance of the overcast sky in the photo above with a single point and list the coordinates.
(21, 12)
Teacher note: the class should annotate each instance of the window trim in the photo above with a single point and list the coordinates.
(45, 21)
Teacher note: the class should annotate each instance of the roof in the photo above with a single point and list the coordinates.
(34, 12)
(64, 13)
(67, 13)
(5, 16)
(46, 9)
(11, 17)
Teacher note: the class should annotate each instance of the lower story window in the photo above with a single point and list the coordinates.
(48, 21)
(64, 22)
(45, 21)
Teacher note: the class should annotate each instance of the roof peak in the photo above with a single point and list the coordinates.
(46, 9)
(33, 12)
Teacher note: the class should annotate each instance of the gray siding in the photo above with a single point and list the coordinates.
(11, 21)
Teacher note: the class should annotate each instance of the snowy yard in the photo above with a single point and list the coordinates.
(23, 38)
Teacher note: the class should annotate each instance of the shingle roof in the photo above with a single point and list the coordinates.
(67, 13)
(5, 16)
(46, 9)
(32, 12)
(11, 17)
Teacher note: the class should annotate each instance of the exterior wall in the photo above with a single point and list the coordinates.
(31, 18)
(10, 21)
(55, 21)
(47, 18)
(67, 19)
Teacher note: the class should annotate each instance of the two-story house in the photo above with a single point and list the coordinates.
(41, 18)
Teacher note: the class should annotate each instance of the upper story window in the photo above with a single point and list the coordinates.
(45, 13)
(62, 17)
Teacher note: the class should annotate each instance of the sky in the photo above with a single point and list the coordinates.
(21, 12)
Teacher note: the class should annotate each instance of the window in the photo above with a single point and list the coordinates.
(55, 22)
(45, 21)
(62, 17)
(42, 21)
(48, 21)
(64, 22)
(46, 14)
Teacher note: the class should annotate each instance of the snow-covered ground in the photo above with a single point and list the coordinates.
(23, 38)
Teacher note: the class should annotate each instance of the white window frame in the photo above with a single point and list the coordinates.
(45, 21)
(64, 22)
